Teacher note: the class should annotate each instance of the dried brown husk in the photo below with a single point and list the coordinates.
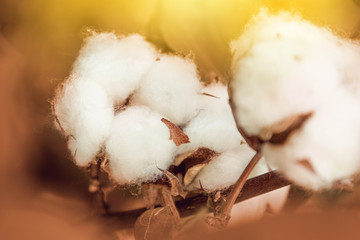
(190, 164)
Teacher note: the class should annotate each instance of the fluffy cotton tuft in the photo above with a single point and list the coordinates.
(172, 88)
(225, 170)
(85, 113)
(116, 64)
(329, 140)
(138, 145)
(284, 66)
(214, 127)
(282, 59)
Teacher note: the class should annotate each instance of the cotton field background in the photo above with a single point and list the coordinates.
(44, 51)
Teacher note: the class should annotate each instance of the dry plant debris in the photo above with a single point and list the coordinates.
(176, 134)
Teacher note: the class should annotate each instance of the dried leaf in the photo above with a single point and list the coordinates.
(161, 193)
(168, 201)
(307, 164)
(155, 224)
(176, 188)
(176, 134)
(279, 132)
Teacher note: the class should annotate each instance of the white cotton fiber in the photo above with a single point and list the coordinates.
(224, 170)
(214, 127)
(85, 112)
(116, 64)
(329, 140)
(138, 145)
(172, 88)
(282, 66)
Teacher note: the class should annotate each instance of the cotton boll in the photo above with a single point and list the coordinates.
(329, 141)
(117, 64)
(214, 127)
(85, 112)
(282, 66)
(138, 145)
(172, 88)
(224, 170)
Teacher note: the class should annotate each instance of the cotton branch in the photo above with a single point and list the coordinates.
(95, 186)
(253, 187)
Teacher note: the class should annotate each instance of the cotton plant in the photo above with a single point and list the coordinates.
(84, 104)
(294, 93)
(139, 111)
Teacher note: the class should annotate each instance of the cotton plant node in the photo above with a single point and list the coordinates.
(222, 213)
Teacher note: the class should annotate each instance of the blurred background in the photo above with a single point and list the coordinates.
(42, 193)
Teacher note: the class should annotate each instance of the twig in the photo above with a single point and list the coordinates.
(95, 186)
(222, 214)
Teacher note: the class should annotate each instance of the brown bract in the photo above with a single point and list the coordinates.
(278, 133)
(176, 188)
(176, 134)
(191, 163)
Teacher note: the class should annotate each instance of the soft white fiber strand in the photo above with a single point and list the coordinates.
(85, 112)
(138, 145)
(115, 63)
(224, 170)
(214, 127)
(172, 88)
